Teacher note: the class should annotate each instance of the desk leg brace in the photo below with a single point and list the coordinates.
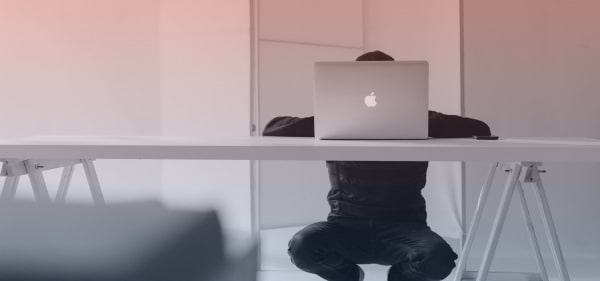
(462, 262)
(531, 232)
(93, 182)
(531, 176)
(534, 176)
(509, 188)
(34, 171)
(40, 190)
(10, 188)
(65, 182)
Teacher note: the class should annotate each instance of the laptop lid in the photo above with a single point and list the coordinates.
(371, 100)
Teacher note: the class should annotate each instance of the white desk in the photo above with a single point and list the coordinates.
(524, 155)
(273, 148)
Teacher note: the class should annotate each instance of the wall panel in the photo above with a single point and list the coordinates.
(292, 193)
(70, 67)
(531, 70)
(427, 30)
(205, 91)
(329, 22)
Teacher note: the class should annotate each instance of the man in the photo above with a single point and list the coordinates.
(377, 213)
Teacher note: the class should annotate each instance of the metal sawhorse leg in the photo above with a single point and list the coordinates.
(14, 169)
(531, 175)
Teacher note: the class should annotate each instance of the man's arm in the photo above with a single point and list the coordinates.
(440, 126)
(286, 126)
(454, 126)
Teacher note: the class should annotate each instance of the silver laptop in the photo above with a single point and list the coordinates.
(371, 100)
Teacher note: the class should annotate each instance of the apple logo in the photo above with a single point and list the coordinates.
(370, 100)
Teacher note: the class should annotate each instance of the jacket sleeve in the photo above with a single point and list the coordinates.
(286, 126)
(454, 126)
(440, 126)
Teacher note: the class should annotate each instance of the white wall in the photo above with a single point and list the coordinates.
(531, 69)
(335, 23)
(427, 30)
(287, 49)
(205, 90)
(294, 193)
(292, 35)
(133, 67)
(421, 29)
(70, 67)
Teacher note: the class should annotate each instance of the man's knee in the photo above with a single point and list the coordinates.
(306, 246)
(436, 263)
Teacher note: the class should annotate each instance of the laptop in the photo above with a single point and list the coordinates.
(367, 100)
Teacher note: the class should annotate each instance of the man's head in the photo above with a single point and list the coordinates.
(375, 56)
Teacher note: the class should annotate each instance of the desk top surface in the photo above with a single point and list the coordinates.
(279, 148)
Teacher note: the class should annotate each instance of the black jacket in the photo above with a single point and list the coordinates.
(389, 191)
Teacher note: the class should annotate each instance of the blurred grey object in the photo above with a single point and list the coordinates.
(137, 242)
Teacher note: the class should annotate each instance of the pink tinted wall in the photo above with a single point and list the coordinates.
(79, 67)
(427, 30)
(205, 90)
(531, 70)
(421, 30)
(71, 67)
(133, 67)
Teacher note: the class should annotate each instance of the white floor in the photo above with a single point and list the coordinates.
(579, 271)
(370, 276)
(277, 267)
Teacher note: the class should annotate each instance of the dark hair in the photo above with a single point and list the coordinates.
(375, 56)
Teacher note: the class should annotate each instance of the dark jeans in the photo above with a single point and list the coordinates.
(332, 250)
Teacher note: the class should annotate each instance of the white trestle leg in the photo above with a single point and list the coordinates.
(12, 169)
